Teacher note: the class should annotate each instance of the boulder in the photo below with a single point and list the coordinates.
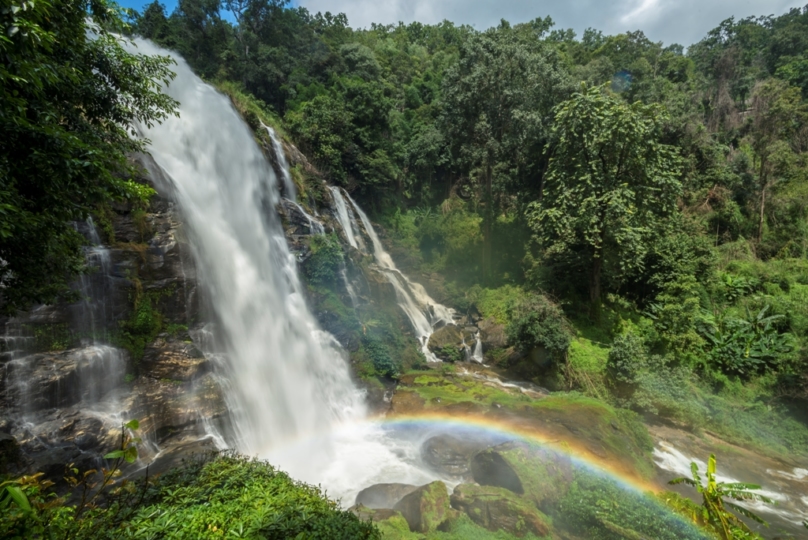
(383, 495)
(426, 507)
(498, 509)
(451, 455)
(541, 475)
(374, 514)
(492, 334)
(450, 343)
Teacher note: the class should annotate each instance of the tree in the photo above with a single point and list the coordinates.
(497, 99)
(71, 94)
(714, 512)
(610, 183)
(778, 116)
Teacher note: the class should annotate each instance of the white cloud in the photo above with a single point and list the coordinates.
(679, 21)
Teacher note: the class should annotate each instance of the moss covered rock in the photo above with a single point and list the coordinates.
(426, 507)
(541, 475)
(498, 508)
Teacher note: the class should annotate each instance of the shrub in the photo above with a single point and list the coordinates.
(322, 267)
(537, 322)
(225, 495)
(378, 354)
(627, 358)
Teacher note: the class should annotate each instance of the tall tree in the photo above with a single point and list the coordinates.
(70, 96)
(497, 99)
(610, 183)
(778, 118)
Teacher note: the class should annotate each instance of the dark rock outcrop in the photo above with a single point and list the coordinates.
(540, 475)
(451, 455)
(383, 495)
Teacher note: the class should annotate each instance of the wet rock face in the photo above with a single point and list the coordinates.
(499, 509)
(383, 495)
(452, 343)
(174, 360)
(64, 390)
(43, 381)
(492, 334)
(426, 507)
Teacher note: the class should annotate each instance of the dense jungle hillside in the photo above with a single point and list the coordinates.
(620, 225)
(658, 196)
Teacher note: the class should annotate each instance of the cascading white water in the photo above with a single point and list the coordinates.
(288, 386)
(345, 218)
(315, 226)
(277, 147)
(94, 286)
(423, 312)
(477, 355)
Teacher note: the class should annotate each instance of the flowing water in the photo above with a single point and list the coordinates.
(289, 389)
(277, 147)
(424, 313)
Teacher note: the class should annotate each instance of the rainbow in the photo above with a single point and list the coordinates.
(579, 455)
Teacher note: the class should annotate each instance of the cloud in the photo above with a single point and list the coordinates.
(670, 21)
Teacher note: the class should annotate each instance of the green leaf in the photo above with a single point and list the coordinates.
(130, 455)
(115, 454)
(19, 497)
(132, 424)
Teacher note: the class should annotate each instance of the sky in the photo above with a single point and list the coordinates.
(670, 21)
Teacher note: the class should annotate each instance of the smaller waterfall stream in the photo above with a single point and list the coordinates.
(277, 147)
(423, 312)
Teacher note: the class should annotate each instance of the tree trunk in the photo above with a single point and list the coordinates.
(763, 185)
(594, 285)
(488, 218)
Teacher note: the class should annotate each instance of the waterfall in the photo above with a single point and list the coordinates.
(423, 312)
(289, 391)
(280, 155)
(315, 226)
(94, 286)
(346, 220)
(477, 355)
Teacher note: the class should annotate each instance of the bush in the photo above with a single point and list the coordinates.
(537, 322)
(627, 358)
(378, 354)
(322, 267)
(228, 496)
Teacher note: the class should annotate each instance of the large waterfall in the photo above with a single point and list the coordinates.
(290, 393)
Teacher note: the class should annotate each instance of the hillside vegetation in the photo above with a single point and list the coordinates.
(658, 196)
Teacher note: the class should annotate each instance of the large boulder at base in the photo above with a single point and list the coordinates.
(498, 509)
(451, 455)
(541, 475)
(492, 334)
(374, 514)
(383, 495)
(426, 507)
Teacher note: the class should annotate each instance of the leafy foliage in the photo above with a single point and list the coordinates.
(220, 495)
(714, 507)
(745, 346)
(610, 184)
(537, 322)
(71, 93)
(322, 267)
